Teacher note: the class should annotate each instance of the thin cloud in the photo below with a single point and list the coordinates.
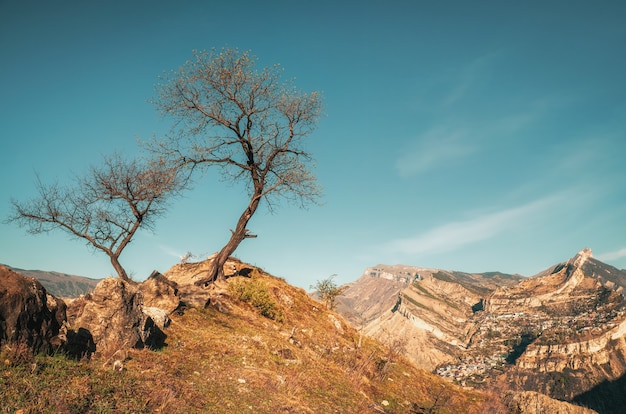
(171, 252)
(468, 77)
(433, 148)
(455, 235)
(617, 254)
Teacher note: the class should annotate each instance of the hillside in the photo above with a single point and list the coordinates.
(251, 343)
(561, 333)
(61, 285)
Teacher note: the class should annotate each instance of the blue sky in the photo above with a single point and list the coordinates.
(473, 136)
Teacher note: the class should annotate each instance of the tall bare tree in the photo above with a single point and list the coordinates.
(105, 207)
(247, 122)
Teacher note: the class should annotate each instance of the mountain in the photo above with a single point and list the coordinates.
(61, 284)
(430, 309)
(561, 332)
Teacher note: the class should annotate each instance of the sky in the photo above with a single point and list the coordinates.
(472, 136)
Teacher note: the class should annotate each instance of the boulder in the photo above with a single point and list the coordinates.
(159, 316)
(160, 292)
(113, 316)
(27, 313)
(186, 275)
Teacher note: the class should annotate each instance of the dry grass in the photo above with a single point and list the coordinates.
(237, 361)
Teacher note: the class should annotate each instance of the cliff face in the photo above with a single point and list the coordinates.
(560, 333)
(572, 326)
(430, 311)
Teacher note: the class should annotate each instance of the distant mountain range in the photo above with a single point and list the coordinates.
(61, 284)
(561, 332)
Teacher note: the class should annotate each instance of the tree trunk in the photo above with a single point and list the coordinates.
(216, 269)
(119, 269)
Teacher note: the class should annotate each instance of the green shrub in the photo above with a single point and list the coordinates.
(256, 293)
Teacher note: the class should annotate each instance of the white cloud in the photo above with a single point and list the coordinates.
(443, 144)
(617, 254)
(432, 149)
(171, 252)
(451, 236)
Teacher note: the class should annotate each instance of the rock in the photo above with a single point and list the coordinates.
(185, 275)
(113, 316)
(80, 343)
(159, 316)
(335, 322)
(160, 292)
(26, 316)
(530, 402)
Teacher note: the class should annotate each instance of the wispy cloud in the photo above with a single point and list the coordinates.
(447, 144)
(468, 76)
(171, 252)
(433, 148)
(614, 255)
(454, 235)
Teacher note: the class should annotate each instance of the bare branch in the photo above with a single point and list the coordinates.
(245, 121)
(106, 207)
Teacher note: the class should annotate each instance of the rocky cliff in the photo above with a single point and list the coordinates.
(561, 333)
(429, 311)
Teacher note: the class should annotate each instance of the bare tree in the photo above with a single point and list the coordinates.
(105, 208)
(247, 122)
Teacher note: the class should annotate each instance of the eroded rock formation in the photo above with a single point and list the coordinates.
(27, 313)
(114, 318)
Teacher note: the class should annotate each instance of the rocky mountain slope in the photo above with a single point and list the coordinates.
(561, 333)
(429, 310)
(251, 343)
(61, 284)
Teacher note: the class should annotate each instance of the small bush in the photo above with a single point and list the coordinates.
(256, 293)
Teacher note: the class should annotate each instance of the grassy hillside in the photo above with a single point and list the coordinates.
(262, 346)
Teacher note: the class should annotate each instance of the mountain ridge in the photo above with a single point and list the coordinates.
(560, 332)
(60, 284)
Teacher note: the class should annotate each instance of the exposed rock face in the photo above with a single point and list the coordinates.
(160, 292)
(27, 313)
(113, 316)
(561, 333)
(429, 309)
(573, 329)
(184, 276)
(529, 402)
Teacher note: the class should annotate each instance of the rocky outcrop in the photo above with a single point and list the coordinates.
(530, 402)
(27, 313)
(160, 292)
(113, 316)
(185, 275)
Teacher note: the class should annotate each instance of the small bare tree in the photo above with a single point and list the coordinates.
(105, 208)
(248, 123)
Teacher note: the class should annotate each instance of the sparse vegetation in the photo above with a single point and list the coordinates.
(255, 292)
(328, 291)
(238, 361)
